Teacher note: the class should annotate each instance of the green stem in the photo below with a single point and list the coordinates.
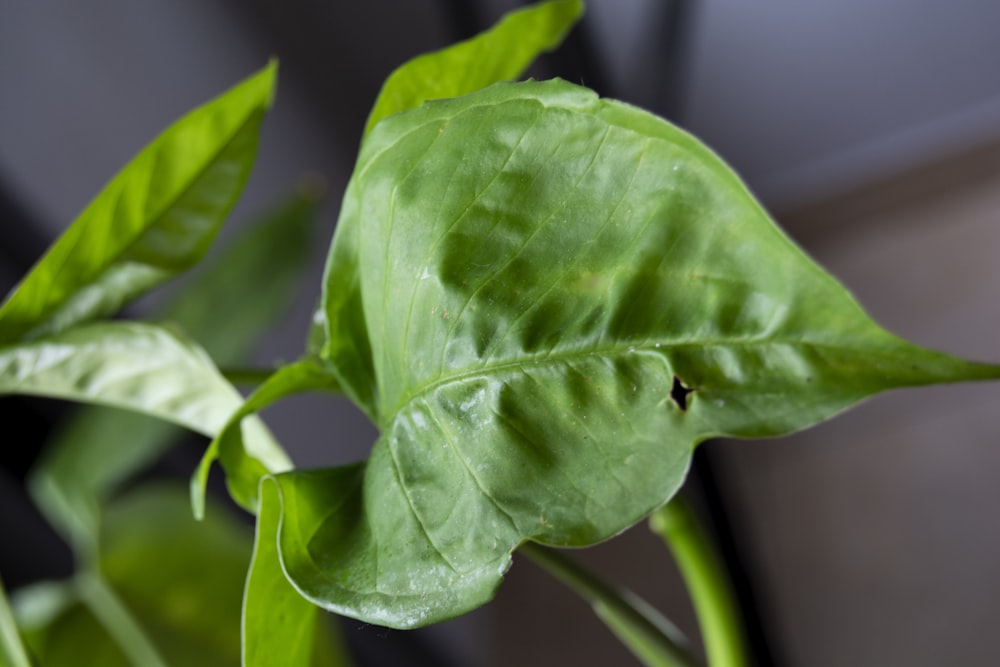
(708, 586)
(117, 620)
(12, 651)
(247, 376)
(647, 634)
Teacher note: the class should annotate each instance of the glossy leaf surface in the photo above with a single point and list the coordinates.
(139, 367)
(155, 219)
(561, 296)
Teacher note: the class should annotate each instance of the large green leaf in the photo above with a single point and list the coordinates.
(227, 307)
(562, 295)
(501, 53)
(139, 367)
(280, 627)
(155, 219)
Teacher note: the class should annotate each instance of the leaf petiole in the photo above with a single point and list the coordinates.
(647, 634)
(708, 586)
(117, 620)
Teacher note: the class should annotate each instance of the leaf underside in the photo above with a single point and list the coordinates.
(561, 296)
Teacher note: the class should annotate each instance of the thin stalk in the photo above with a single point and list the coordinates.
(12, 651)
(644, 631)
(117, 620)
(708, 586)
(247, 376)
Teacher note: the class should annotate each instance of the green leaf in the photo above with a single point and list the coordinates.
(501, 53)
(241, 293)
(12, 651)
(226, 308)
(139, 367)
(173, 584)
(243, 470)
(562, 296)
(155, 219)
(58, 643)
(279, 625)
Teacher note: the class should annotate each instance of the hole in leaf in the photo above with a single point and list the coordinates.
(679, 393)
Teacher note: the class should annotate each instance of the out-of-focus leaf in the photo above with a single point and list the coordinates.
(279, 625)
(75, 638)
(180, 581)
(139, 367)
(12, 651)
(501, 53)
(155, 219)
(243, 470)
(231, 302)
(250, 285)
(558, 310)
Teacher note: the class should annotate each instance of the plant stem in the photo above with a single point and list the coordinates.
(117, 620)
(247, 376)
(12, 651)
(707, 584)
(647, 634)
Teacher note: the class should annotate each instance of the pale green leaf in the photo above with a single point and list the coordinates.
(155, 219)
(501, 53)
(139, 367)
(561, 296)
(243, 470)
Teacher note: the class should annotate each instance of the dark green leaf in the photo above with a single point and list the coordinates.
(502, 53)
(155, 219)
(243, 470)
(562, 296)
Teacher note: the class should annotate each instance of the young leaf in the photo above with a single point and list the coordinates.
(501, 53)
(139, 367)
(558, 309)
(243, 470)
(498, 54)
(155, 219)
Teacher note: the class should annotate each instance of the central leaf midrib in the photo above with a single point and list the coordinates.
(571, 356)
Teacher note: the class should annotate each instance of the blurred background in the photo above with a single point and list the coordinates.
(871, 130)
